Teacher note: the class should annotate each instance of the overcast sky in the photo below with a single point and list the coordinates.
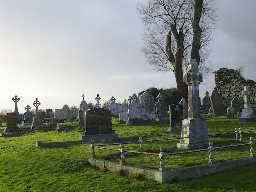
(58, 49)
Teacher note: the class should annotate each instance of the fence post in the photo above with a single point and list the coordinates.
(93, 150)
(161, 157)
(140, 142)
(236, 134)
(251, 143)
(240, 134)
(122, 155)
(210, 151)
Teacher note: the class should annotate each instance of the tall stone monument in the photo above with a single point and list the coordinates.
(247, 111)
(194, 133)
(16, 99)
(37, 122)
(82, 111)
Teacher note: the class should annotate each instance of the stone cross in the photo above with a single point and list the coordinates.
(113, 99)
(16, 99)
(193, 79)
(245, 94)
(97, 98)
(27, 108)
(36, 104)
(83, 96)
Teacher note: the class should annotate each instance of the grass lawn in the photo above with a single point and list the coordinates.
(23, 167)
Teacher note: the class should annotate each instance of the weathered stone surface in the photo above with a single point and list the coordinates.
(194, 131)
(218, 105)
(206, 104)
(98, 125)
(194, 134)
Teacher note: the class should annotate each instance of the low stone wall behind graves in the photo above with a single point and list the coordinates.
(230, 84)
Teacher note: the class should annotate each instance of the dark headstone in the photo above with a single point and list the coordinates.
(98, 121)
(206, 103)
(218, 105)
(98, 125)
(28, 117)
(12, 122)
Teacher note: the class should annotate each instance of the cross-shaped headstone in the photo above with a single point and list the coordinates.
(97, 101)
(16, 99)
(36, 104)
(83, 96)
(27, 108)
(193, 78)
(113, 99)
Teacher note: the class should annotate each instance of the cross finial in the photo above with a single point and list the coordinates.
(36, 103)
(15, 99)
(27, 108)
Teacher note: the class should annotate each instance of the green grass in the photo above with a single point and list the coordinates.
(23, 167)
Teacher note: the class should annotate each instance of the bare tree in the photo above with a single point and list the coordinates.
(176, 31)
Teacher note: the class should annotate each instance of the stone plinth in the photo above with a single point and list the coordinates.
(98, 126)
(194, 134)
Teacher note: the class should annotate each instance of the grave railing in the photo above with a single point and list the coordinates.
(164, 159)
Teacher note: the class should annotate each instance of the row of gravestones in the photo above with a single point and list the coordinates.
(140, 108)
(238, 106)
(35, 121)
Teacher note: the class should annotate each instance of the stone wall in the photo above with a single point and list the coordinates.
(169, 176)
(230, 83)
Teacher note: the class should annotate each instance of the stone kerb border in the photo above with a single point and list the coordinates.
(169, 176)
(51, 144)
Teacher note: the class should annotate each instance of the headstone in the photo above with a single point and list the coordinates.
(12, 128)
(175, 119)
(115, 108)
(148, 105)
(194, 133)
(161, 107)
(63, 114)
(206, 103)
(134, 109)
(247, 111)
(217, 102)
(12, 122)
(37, 121)
(98, 126)
(82, 111)
(97, 98)
(28, 115)
(123, 114)
(184, 107)
(231, 111)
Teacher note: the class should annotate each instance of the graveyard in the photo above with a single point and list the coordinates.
(140, 96)
(24, 167)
